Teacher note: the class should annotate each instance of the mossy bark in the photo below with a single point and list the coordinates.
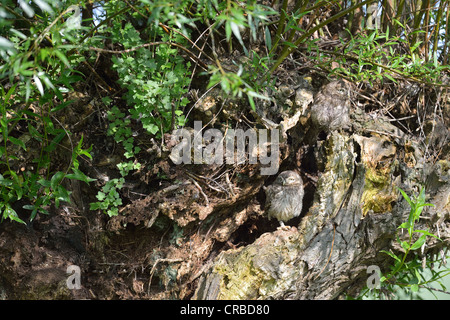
(355, 214)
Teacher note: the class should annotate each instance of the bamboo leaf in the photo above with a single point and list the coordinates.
(17, 142)
(419, 242)
(428, 234)
(62, 57)
(39, 85)
(391, 255)
(405, 196)
(268, 38)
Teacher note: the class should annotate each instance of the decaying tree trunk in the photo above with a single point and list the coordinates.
(355, 214)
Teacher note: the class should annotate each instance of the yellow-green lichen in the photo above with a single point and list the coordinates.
(378, 155)
(240, 280)
(259, 270)
(378, 193)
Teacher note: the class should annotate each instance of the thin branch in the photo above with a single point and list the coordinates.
(404, 75)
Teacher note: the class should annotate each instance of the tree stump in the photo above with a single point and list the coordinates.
(355, 214)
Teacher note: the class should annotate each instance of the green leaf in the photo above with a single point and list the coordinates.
(268, 38)
(404, 225)
(391, 255)
(10, 213)
(405, 196)
(100, 196)
(428, 234)
(421, 196)
(43, 182)
(61, 105)
(5, 44)
(387, 75)
(28, 207)
(228, 30)
(34, 133)
(5, 182)
(113, 212)
(26, 8)
(61, 194)
(33, 214)
(81, 151)
(17, 142)
(9, 93)
(152, 128)
(419, 242)
(257, 95)
(405, 245)
(94, 205)
(415, 46)
(252, 102)
(237, 34)
(79, 175)
(62, 57)
(55, 142)
(39, 85)
(56, 180)
(289, 44)
(416, 271)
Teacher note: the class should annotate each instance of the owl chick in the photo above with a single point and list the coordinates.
(330, 110)
(284, 198)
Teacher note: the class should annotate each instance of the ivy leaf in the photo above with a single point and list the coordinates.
(152, 128)
(100, 196)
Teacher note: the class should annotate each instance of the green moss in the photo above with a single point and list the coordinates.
(251, 273)
(240, 279)
(378, 194)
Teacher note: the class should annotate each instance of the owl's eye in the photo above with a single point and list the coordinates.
(290, 180)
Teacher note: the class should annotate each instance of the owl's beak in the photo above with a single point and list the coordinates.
(283, 181)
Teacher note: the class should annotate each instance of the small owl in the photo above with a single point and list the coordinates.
(330, 110)
(284, 198)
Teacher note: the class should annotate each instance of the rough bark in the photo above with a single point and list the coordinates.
(355, 214)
